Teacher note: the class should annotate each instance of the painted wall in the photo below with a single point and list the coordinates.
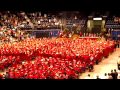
(89, 25)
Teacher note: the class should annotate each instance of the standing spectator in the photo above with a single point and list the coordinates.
(6, 75)
(117, 44)
(112, 74)
(118, 63)
(3, 76)
(106, 77)
(109, 76)
(81, 34)
(97, 77)
(116, 73)
(91, 66)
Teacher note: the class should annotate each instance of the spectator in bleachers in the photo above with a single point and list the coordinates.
(44, 22)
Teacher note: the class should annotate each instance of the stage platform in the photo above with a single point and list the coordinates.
(92, 38)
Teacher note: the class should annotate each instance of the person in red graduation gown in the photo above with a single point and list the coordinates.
(1, 76)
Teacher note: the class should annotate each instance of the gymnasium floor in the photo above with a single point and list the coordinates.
(105, 66)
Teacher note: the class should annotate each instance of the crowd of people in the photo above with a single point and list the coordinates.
(10, 26)
(113, 23)
(11, 35)
(52, 58)
(44, 21)
(46, 58)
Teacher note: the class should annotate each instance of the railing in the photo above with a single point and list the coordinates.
(45, 33)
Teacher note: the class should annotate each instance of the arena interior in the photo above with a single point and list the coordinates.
(42, 44)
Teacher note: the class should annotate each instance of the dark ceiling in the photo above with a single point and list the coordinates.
(56, 5)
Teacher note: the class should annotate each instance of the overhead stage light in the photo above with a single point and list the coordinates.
(97, 18)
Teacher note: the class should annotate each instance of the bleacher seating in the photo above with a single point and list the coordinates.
(43, 22)
(111, 24)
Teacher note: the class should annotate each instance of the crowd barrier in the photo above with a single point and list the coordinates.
(45, 33)
(92, 38)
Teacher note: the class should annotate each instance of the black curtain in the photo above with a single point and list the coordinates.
(96, 29)
(43, 34)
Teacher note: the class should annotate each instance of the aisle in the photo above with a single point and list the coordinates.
(104, 66)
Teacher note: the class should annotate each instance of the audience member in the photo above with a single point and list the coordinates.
(97, 77)
(112, 74)
(109, 76)
(116, 74)
(118, 63)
